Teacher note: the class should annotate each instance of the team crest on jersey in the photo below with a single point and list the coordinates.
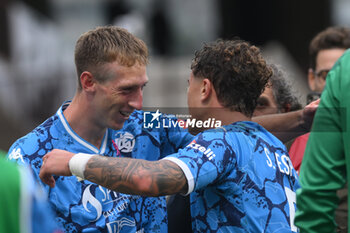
(124, 142)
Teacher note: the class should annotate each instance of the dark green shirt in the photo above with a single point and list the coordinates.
(326, 158)
(9, 197)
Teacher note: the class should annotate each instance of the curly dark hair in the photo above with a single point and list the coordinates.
(237, 71)
(282, 90)
(330, 38)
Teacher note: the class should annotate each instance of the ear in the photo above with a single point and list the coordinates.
(206, 89)
(87, 81)
(311, 79)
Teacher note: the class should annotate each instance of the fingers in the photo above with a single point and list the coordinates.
(315, 103)
(47, 178)
(55, 162)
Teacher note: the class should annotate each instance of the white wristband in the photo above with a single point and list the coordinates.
(77, 164)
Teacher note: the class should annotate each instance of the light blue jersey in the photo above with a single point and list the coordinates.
(34, 203)
(241, 180)
(87, 207)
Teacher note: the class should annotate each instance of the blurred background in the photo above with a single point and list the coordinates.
(37, 39)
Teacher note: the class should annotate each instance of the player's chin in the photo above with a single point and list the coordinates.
(116, 125)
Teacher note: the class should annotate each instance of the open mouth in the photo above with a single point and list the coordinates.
(125, 114)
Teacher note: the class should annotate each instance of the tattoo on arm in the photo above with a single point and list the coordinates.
(136, 176)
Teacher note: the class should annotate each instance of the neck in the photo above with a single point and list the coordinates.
(81, 119)
(227, 116)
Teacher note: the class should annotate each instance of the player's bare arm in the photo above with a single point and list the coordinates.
(286, 126)
(136, 176)
(132, 176)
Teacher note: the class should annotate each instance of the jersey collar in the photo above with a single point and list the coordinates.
(76, 137)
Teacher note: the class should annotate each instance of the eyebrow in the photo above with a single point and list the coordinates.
(263, 98)
(130, 86)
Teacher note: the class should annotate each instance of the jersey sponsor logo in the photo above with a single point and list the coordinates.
(206, 151)
(91, 203)
(124, 142)
(96, 204)
(16, 154)
(116, 226)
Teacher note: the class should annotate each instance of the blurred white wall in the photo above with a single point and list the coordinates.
(34, 64)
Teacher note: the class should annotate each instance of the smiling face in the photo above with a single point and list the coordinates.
(115, 99)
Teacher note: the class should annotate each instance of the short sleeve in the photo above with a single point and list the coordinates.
(205, 160)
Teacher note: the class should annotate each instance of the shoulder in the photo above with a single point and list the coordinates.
(226, 132)
(30, 144)
(249, 134)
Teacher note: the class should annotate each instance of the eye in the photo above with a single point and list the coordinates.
(262, 102)
(127, 89)
(322, 73)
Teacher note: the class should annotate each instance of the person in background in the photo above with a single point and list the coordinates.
(239, 175)
(325, 49)
(278, 96)
(325, 167)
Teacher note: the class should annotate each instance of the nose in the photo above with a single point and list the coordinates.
(136, 99)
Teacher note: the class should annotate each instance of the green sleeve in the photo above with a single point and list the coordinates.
(9, 197)
(323, 170)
